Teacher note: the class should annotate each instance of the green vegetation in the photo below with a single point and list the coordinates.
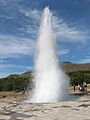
(78, 73)
(78, 77)
(14, 83)
(21, 82)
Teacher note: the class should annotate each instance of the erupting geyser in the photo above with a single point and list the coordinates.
(50, 82)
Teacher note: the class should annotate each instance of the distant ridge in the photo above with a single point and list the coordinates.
(66, 66)
(71, 67)
(77, 73)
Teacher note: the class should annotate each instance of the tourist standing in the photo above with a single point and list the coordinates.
(74, 87)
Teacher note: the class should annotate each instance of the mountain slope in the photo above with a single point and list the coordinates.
(66, 66)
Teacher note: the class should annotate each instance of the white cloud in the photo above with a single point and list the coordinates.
(32, 14)
(7, 66)
(6, 17)
(11, 46)
(64, 32)
(63, 52)
(10, 2)
(86, 60)
(34, 17)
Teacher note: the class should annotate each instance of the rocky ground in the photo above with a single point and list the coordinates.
(11, 108)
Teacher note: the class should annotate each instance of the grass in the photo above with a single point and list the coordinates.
(88, 86)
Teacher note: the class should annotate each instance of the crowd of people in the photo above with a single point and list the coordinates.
(81, 87)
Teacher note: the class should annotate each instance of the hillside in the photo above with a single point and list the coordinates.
(78, 73)
(71, 67)
(67, 67)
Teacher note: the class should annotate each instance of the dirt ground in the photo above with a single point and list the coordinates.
(13, 107)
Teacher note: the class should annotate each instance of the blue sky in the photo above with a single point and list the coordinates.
(19, 26)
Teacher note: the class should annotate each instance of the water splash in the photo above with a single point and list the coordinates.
(51, 84)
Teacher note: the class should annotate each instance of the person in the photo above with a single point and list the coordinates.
(74, 87)
(82, 88)
(85, 86)
(79, 87)
(24, 89)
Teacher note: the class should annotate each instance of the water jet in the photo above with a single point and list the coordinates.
(50, 82)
